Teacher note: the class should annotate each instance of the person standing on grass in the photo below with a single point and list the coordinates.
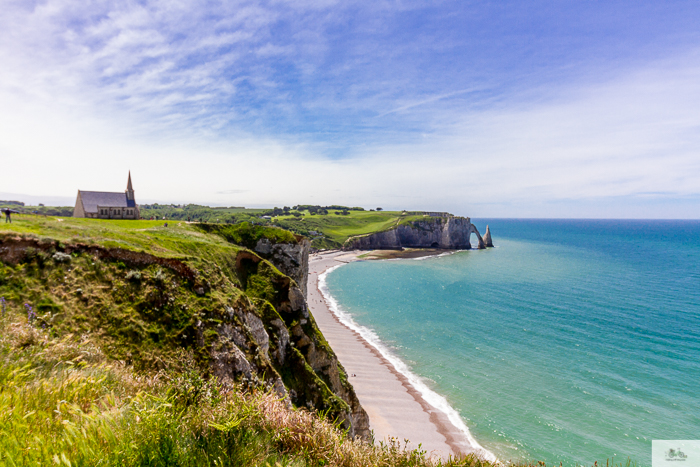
(8, 213)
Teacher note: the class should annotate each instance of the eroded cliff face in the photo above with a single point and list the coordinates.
(295, 346)
(246, 323)
(436, 232)
(291, 259)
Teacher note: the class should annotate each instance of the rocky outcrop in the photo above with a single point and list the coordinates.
(487, 238)
(439, 232)
(291, 259)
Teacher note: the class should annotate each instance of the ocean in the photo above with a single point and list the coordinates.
(571, 341)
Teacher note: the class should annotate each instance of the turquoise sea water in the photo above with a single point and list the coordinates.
(571, 341)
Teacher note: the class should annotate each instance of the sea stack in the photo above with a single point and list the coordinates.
(487, 238)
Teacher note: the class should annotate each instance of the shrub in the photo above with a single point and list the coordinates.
(133, 275)
(61, 257)
(160, 277)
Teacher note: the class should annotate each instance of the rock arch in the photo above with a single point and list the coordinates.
(482, 245)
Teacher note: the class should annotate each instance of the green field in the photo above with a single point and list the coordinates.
(336, 227)
(177, 239)
(326, 231)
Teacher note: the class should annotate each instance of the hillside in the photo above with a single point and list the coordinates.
(149, 294)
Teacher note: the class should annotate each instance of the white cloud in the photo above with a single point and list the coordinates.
(155, 89)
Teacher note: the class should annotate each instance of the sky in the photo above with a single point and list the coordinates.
(481, 108)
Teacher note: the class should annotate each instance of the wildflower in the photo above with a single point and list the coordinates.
(31, 316)
(3, 305)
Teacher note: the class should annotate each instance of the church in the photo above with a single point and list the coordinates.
(106, 205)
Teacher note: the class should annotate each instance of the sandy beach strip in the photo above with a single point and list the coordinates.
(395, 408)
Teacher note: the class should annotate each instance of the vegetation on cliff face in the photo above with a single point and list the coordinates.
(146, 293)
(248, 235)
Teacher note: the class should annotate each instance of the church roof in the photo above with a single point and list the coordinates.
(93, 199)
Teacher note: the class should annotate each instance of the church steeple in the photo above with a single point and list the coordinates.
(129, 189)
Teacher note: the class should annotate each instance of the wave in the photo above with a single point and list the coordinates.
(430, 396)
(439, 255)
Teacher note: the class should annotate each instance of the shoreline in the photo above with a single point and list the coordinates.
(395, 399)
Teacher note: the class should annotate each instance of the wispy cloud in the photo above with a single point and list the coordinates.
(429, 100)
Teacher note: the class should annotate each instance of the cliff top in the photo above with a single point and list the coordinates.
(178, 239)
(326, 227)
(334, 228)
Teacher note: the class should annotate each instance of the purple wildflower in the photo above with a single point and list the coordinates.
(3, 305)
(31, 316)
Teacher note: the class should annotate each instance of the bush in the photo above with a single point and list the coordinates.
(133, 275)
(160, 277)
(61, 257)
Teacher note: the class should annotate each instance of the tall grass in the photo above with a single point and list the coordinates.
(62, 402)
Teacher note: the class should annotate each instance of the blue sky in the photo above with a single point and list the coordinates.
(508, 109)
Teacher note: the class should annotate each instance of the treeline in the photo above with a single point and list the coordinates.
(199, 213)
(41, 210)
(297, 211)
(157, 206)
(310, 208)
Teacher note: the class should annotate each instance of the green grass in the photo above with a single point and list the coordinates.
(65, 404)
(178, 239)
